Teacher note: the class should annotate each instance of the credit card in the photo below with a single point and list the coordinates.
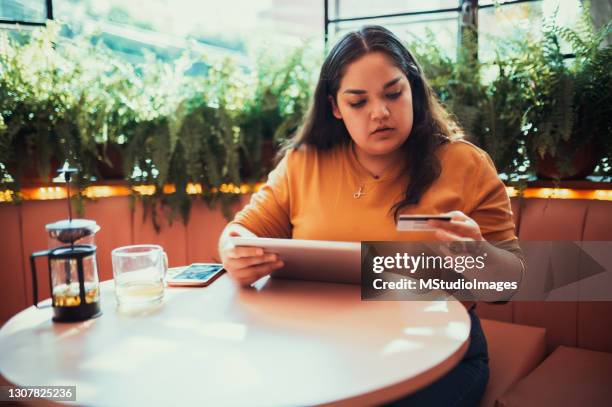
(411, 223)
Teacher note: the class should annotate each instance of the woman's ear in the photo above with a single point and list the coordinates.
(335, 110)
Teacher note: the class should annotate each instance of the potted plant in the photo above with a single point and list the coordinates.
(488, 113)
(34, 111)
(55, 104)
(274, 111)
(569, 119)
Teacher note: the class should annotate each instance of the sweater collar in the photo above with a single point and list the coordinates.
(363, 174)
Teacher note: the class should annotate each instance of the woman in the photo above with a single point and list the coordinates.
(376, 143)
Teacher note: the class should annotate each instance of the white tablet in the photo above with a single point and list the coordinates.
(314, 260)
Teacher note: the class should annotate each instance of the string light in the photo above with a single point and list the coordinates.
(193, 189)
(104, 191)
(144, 189)
(169, 189)
(512, 192)
(6, 196)
(604, 195)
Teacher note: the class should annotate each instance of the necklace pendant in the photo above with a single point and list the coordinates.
(359, 193)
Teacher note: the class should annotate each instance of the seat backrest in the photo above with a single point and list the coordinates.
(595, 317)
(585, 324)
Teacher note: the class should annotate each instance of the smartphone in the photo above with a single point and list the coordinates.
(197, 275)
(410, 223)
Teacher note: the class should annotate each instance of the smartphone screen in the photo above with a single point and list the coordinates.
(196, 274)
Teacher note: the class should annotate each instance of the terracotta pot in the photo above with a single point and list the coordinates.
(254, 170)
(30, 175)
(268, 154)
(583, 163)
(112, 167)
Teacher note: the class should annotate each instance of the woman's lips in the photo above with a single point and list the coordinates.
(383, 130)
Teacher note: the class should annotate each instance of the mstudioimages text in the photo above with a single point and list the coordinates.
(439, 284)
(411, 263)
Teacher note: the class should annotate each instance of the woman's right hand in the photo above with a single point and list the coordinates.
(245, 265)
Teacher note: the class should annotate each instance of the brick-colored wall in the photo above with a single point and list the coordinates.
(584, 324)
(23, 232)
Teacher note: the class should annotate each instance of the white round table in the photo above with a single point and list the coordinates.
(282, 343)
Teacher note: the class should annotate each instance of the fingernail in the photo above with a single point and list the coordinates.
(271, 257)
(260, 252)
(280, 263)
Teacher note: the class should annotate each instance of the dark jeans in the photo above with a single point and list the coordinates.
(465, 384)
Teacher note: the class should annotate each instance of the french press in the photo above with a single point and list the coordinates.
(73, 272)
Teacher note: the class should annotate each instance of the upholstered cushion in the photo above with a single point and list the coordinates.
(514, 351)
(568, 377)
(496, 311)
(553, 219)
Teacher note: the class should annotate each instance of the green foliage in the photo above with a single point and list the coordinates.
(490, 114)
(538, 102)
(570, 104)
(592, 77)
(502, 113)
(279, 102)
(73, 100)
(549, 118)
(51, 105)
(438, 67)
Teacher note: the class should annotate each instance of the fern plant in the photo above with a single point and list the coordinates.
(59, 103)
(501, 132)
(68, 100)
(593, 84)
(569, 102)
(275, 109)
(550, 115)
(489, 114)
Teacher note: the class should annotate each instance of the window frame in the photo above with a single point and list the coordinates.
(49, 7)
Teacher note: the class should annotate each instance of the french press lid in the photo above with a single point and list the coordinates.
(69, 231)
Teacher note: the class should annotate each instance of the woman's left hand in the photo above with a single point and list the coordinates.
(461, 227)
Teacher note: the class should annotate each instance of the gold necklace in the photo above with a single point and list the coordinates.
(360, 192)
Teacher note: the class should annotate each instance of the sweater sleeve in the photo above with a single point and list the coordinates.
(493, 212)
(267, 213)
(490, 204)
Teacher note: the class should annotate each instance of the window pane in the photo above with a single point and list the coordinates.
(411, 28)
(212, 27)
(34, 11)
(523, 19)
(364, 8)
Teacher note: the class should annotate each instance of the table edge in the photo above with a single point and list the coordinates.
(397, 390)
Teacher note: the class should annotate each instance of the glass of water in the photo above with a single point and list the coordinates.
(140, 274)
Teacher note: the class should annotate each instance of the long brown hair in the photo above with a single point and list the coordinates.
(432, 125)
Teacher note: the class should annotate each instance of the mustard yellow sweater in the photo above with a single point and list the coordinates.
(312, 195)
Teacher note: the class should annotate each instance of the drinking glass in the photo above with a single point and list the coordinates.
(140, 274)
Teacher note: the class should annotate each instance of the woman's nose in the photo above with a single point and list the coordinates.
(380, 111)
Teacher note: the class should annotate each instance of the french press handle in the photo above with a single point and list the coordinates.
(33, 256)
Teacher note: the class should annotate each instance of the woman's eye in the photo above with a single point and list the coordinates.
(394, 95)
(358, 104)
